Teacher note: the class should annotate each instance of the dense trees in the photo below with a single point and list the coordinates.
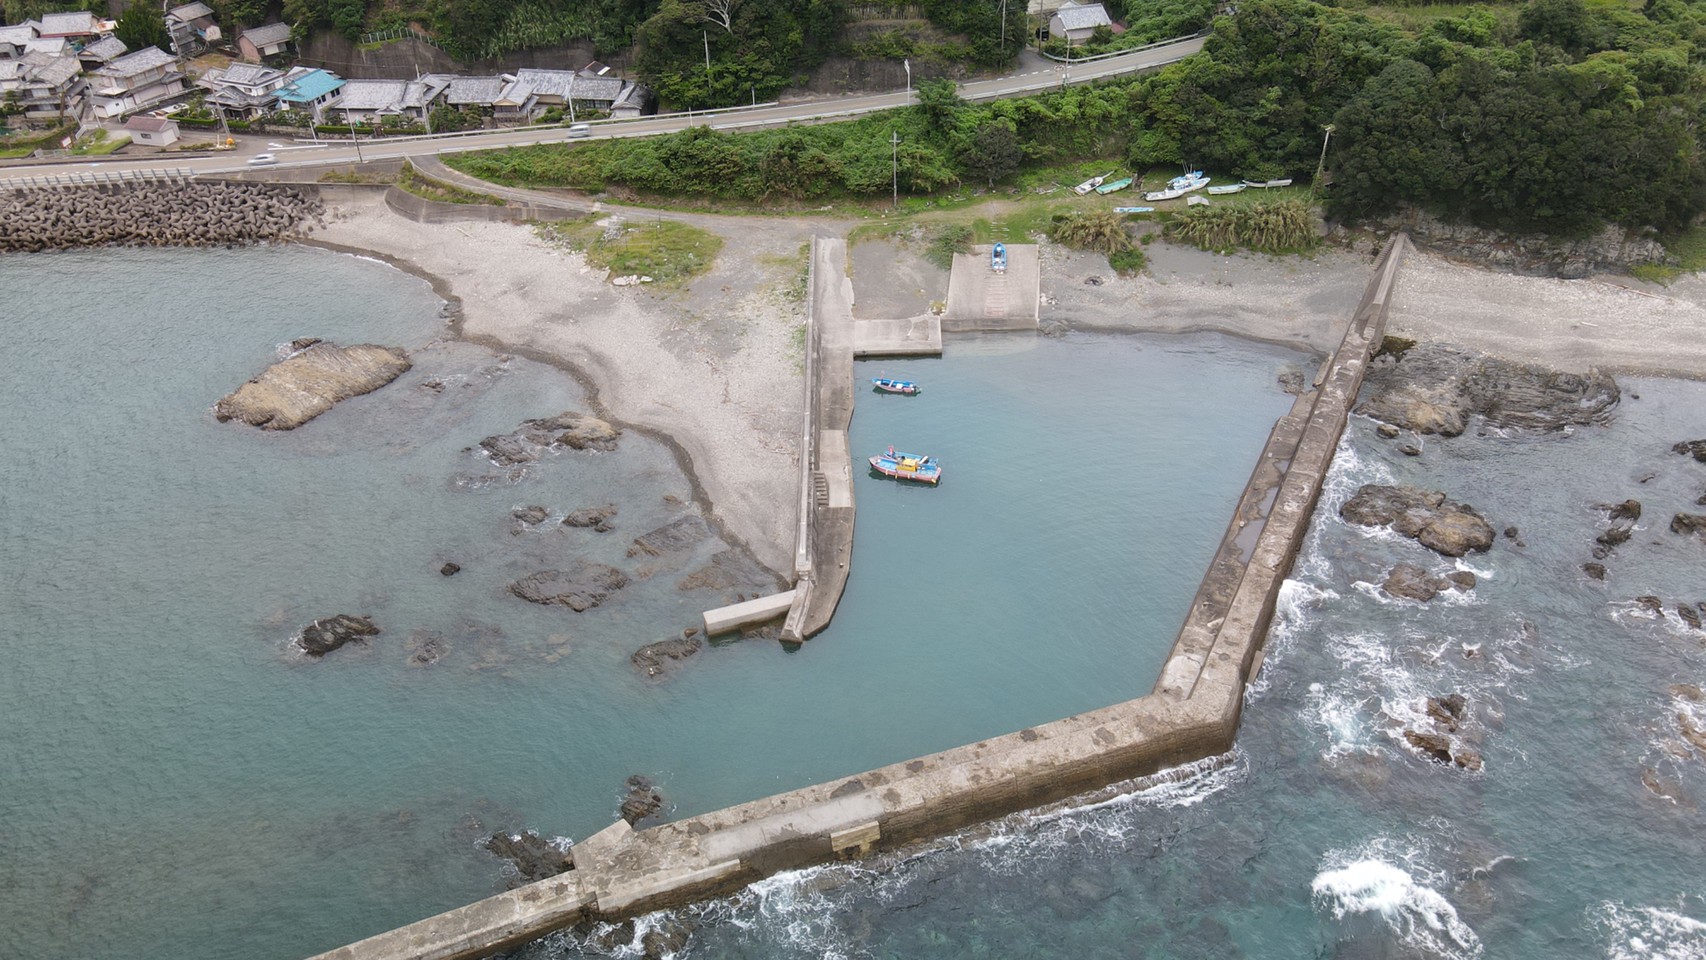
(699, 55)
(142, 25)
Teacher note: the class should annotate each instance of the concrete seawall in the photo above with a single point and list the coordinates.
(1192, 714)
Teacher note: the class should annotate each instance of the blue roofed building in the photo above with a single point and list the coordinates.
(309, 90)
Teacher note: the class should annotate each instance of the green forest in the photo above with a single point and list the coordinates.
(1556, 116)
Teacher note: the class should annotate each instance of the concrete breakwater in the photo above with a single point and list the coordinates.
(193, 214)
(1191, 714)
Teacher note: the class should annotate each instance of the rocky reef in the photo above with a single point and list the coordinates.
(306, 384)
(533, 857)
(1433, 388)
(329, 633)
(577, 431)
(654, 659)
(192, 214)
(1442, 525)
(580, 588)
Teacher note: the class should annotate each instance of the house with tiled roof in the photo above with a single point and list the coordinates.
(15, 39)
(102, 52)
(78, 25)
(192, 28)
(134, 81)
(372, 101)
(267, 41)
(1078, 21)
(530, 92)
(48, 87)
(243, 90)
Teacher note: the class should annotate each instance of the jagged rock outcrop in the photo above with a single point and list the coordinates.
(597, 518)
(1537, 254)
(642, 800)
(1442, 525)
(1414, 583)
(329, 633)
(307, 383)
(534, 857)
(1691, 448)
(1687, 523)
(1433, 388)
(194, 214)
(530, 514)
(567, 429)
(580, 588)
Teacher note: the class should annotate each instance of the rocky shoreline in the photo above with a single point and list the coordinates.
(193, 214)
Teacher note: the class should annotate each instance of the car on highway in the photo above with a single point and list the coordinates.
(261, 158)
(580, 130)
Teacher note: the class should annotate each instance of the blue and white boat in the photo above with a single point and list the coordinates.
(1178, 187)
(891, 385)
(907, 466)
(998, 258)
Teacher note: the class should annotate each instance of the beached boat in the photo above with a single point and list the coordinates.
(1114, 186)
(1227, 188)
(1267, 184)
(1178, 187)
(998, 258)
(891, 385)
(1091, 184)
(907, 466)
(1134, 209)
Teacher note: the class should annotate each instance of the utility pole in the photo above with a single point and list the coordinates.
(1004, 28)
(907, 63)
(894, 164)
(355, 139)
(1321, 166)
(705, 35)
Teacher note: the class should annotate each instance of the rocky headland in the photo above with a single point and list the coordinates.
(307, 383)
(192, 214)
(1436, 389)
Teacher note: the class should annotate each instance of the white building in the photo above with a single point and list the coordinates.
(1078, 21)
(152, 131)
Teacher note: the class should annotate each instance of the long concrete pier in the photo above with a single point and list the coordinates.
(1191, 714)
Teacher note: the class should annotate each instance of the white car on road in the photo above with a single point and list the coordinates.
(261, 158)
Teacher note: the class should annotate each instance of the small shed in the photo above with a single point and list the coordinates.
(1078, 21)
(152, 131)
(264, 41)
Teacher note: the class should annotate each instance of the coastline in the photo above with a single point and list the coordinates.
(731, 426)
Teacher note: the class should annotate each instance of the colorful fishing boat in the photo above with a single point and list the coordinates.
(1178, 187)
(907, 466)
(891, 385)
(998, 258)
(1114, 186)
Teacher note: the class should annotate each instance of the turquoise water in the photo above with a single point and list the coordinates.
(179, 782)
(1323, 834)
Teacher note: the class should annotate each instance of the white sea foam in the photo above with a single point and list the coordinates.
(1296, 612)
(1649, 933)
(1370, 882)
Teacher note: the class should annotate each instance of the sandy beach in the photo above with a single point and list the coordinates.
(714, 367)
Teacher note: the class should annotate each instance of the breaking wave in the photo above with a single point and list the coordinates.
(1379, 881)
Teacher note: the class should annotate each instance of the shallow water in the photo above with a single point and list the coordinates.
(1325, 835)
(178, 781)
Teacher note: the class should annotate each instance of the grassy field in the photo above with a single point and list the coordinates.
(427, 188)
(1689, 249)
(665, 250)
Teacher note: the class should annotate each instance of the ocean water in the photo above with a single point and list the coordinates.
(1323, 834)
(176, 780)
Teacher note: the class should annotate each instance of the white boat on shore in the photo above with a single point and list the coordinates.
(1268, 184)
(1226, 189)
(1178, 187)
(1091, 184)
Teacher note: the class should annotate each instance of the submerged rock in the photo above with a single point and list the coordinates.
(654, 658)
(581, 588)
(1688, 614)
(450, 569)
(1594, 570)
(534, 857)
(306, 384)
(329, 633)
(642, 800)
(727, 570)
(1413, 583)
(1436, 389)
(678, 534)
(598, 518)
(530, 515)
(1442, 525)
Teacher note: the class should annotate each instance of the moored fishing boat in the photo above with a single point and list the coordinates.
(1114, 186)
(907, 466)
(891, 385)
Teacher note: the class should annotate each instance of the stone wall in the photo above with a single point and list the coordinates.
(408, 58)
(1612, 249)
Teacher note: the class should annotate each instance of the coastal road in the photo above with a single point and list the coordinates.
(807, 111)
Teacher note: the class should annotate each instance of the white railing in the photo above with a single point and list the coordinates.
(1095, 58)
(103, 178)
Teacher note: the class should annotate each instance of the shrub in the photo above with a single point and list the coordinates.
(1281, 226)
(948, 241)
(1103, 232)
